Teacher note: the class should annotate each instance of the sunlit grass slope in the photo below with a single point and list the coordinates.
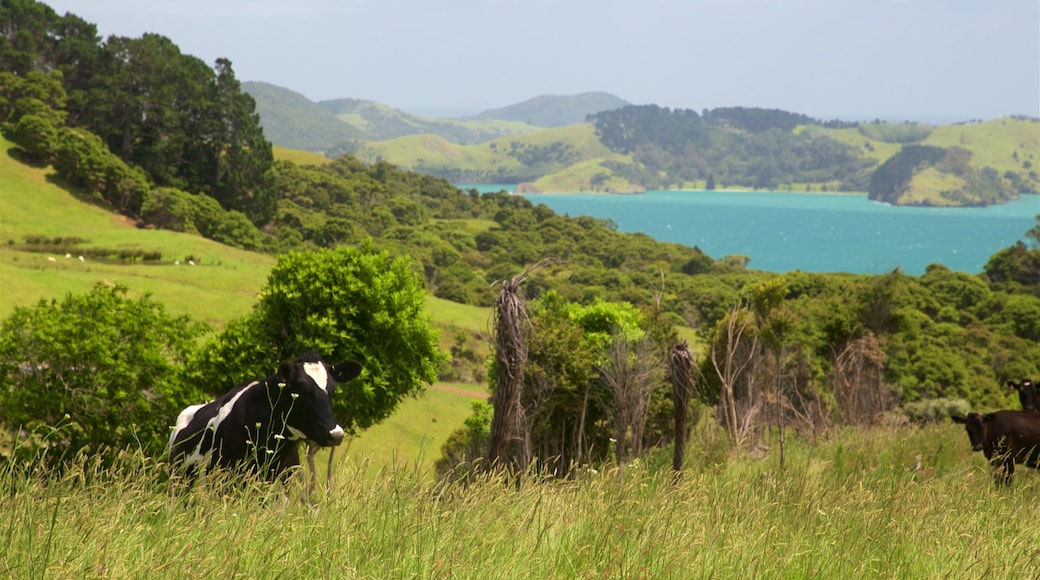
(412, 437)
(433, 153)
(300, 157)
(222, 286)
(994, 143)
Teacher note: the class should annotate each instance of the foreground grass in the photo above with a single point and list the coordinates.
(846, 508)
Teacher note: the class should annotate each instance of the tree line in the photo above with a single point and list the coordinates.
(733, 147)
(176, 120)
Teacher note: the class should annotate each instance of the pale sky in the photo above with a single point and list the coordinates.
(933, 60)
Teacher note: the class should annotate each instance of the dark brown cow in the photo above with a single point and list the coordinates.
(1006, 438)
(1026, 393)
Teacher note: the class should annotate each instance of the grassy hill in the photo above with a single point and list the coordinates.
(556, 110)
(381, 122)
(299, 157)
(1007, 144)
(222, 286)
(513, 159)
(292, 120)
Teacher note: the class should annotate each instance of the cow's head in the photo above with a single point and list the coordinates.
(974, 424)
(1027, 394)
(304, 398)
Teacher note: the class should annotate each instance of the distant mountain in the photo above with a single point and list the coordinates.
(292, 120)
(382, 122)
(555, 110)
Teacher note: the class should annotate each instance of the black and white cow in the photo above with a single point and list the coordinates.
(260, 424)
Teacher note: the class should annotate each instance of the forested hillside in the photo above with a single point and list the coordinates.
(189, 155)
(292, 120)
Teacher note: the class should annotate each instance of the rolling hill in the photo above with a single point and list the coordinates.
(513, 159)
(381, 122)
(556, 110)
(291, 120)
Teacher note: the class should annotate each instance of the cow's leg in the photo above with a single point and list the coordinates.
(288, 459)
(312, 450)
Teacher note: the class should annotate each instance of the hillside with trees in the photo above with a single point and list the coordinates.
(293, 121)
(636, 148)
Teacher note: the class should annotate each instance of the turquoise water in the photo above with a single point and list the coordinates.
(814, 232)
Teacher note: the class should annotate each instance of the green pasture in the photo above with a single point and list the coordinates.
(579, 177)
(431, 151)
(851, 506)
(412, 437)
(852, 136)
(369, 117)
(222, 285)
(994, 143)
(300, 157)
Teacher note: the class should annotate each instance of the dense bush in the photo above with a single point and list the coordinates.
(94, 373)
(348, 303)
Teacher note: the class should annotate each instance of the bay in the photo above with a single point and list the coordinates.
(811, 232)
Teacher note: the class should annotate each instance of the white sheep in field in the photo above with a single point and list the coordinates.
(52, 259)
(81, 259)
(191, 262)
(67, 256)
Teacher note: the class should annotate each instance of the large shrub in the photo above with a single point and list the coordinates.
(347, 303)
(94, 372)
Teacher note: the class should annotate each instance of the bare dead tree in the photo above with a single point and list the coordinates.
(681, 365)
(732, 351)
(509, 438)
(631, 372)
(510, 446)
(859, 391)
(807, 415)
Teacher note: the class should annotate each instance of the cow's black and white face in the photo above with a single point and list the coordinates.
(975, 427)
(305, 400)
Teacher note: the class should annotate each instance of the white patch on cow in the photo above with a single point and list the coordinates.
(182, 421)
(316, 371)
(197, 455)
(337, 432)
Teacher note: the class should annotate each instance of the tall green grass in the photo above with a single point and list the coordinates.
(847, 508)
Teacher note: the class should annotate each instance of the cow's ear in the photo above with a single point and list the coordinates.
(958, 419)
(285, 371)
(346, 371)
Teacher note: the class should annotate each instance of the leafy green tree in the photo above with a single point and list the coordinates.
(94, 372)
(37, 137)
(244, 157)
(170, 209)
(82, 159)
(347, 303)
